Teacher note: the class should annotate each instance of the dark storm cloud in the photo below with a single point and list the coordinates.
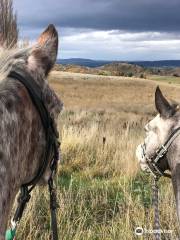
(106, 29)
(128, 15)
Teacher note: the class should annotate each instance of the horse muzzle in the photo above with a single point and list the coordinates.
(140, 154)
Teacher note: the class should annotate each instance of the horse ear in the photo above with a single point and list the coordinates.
(162, 105)
(44, 53)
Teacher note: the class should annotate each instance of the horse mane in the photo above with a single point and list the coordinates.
(10, 58)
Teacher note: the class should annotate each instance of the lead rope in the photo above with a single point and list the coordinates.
(155, 188)
(53, 192)
(53, 208)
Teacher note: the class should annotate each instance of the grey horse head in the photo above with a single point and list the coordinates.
(157, 132)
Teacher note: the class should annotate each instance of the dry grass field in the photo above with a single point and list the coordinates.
(102, 193)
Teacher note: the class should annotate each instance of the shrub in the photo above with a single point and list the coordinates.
(130, 74)
(142, 75)
(175, 75)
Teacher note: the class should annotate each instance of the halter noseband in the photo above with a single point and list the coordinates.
(160, 153)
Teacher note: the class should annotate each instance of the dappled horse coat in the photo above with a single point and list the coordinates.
(22, 139)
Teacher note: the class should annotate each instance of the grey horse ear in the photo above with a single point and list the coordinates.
(162, 105)
(44, 53)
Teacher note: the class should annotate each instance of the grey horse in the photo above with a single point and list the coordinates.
(158, 131)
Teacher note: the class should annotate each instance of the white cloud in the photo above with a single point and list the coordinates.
(113, 45)
(120, 45)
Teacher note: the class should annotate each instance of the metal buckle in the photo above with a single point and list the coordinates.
(160, 153)
(164, 148)
(164, 151)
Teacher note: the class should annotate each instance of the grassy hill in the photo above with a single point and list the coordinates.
(112, 69)
(102, 193)
(120, 69)
(124, 69)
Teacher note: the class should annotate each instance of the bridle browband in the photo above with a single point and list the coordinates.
(51, 153)
(152, 162)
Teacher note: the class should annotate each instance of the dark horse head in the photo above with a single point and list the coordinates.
(158, 131)
(22, 137)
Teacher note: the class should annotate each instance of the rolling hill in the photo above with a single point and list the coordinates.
(98, 63)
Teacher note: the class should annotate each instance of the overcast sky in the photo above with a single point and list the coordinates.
(106, 29)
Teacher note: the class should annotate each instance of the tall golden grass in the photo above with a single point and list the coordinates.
(102, 193)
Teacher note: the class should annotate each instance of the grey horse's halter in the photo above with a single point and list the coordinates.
(161, 152)
(157, 172)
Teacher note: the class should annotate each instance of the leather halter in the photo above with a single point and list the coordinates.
(160, 153)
